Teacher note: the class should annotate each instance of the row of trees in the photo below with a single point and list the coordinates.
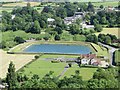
(102, 78)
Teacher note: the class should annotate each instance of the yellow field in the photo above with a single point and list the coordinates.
(18, 59)
(113, 31)
(20, 4)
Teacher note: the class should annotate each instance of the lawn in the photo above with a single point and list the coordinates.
(42, 67)
(113, 31)
(18, 59)
(86, 73)
(117, 56)
(101, 50)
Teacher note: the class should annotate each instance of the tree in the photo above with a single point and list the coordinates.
(98, 28)
(75, 29)
(90, 7)
(101, 6)
(11, 76)
(92, 38)
(57, 37)
(36, 28)
(103, 20)
(58, 30)
(19, 40)
(107, 40)
(61, 12)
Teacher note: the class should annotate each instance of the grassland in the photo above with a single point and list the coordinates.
(113, 31)
(101, 50)
(19, 61)
(106, 4)
(117, 56)
(86, 73)
(42, 67)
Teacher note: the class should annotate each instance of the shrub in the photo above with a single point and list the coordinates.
(36, 57)
(53, 61)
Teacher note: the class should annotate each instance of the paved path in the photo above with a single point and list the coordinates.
(111, 51)
(63, 72)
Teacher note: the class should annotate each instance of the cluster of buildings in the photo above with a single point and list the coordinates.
(91, 59)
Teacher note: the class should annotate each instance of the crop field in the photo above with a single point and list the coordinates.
(20, 4)
(113, 31)
(18, 59)
(85, 72)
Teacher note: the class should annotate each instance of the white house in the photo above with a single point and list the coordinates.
(50, 21)
(85, 61)
(87, 26)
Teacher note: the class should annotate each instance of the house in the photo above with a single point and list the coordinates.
(51, 21)
(85, 61)
(69, 20)
(87, 26)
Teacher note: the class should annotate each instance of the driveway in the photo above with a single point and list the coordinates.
(111, 51)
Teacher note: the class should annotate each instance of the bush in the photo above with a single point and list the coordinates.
(53, 61)
(19, 40)
(36, 57)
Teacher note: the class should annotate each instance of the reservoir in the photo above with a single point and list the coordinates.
(58, 48)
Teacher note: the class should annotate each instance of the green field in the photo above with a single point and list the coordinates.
(117, 56)
(42, 67)
(86, 73)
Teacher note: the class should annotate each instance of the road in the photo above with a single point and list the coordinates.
(111, 51)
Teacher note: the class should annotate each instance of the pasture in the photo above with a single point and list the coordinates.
(85, 72)
(42, 67)
(113, 31)
(18, 59)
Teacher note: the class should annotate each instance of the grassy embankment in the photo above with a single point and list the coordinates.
(101, 51)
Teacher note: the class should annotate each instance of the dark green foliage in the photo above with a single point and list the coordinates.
(61, 12)
(75, 29)
(98, 28)
(58, 30)
(107, 39)
(37, 56)
(104, 78)
(57, 37)
(11, 78)
(19, 40)
(92, 38)
(90, 7)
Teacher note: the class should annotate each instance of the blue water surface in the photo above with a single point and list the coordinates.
(58, 48)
